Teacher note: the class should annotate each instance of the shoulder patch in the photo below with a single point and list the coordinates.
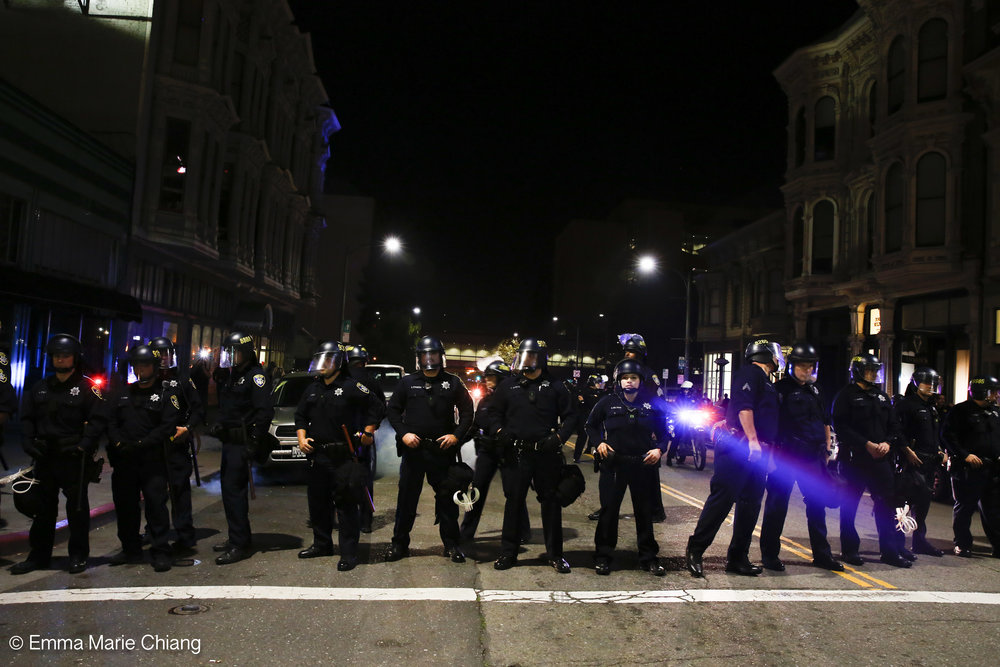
(3, 377)
(3, 359)
(363, 388)
(259, 379)
(174, 402)
(97, 391)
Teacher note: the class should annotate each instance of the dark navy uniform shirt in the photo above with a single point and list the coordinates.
(630, 428)
(426, 406)
(531, 410)
(919, 424)
(802, 418)
(864, 415)
(972, 429)
(146, 416)
(325, 408)
(752, 390)
(192, 410)
(61, 411)
(245, 399)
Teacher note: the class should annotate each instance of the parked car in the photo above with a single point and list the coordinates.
(286, 396)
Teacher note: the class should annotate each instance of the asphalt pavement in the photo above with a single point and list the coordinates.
(276, 608)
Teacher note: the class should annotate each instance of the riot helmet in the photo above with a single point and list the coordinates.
(628, 367)
(144, 355)
(163, 345)
(634, 343)
(531, 354)
(983, 387)
(764, 351)
(357, 355)
(926, 375)
(234, 344)
(328, 358)
(862, 368)
(497, 368)
(430, 354)
(593, 380)
(803, 353)
(64, 345)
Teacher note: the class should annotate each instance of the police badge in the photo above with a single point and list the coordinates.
(259, 379)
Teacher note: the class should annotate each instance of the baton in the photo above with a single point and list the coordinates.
(246, 449)
(194, 458)
(350, 448)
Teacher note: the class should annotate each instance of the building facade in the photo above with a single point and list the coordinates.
(221, 128)
(891, 190)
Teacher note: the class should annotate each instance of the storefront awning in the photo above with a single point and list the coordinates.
(36, 288)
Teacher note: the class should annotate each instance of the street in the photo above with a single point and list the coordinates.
(276, 608)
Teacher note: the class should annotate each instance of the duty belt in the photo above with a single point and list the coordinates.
(333, 450)
(531, 445)
(622, 458)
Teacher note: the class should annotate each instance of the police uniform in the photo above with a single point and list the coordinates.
(799, 456)
(737, 479)
(180, 463)
(141, 425)
(245, 413)
(425, 406)
(589, 395)
(361, 374)
(491, 452)
(8, 400)
(324, 411)
(920, 427)
(529, 412)
(61, 423)
(860, 416)
(970, 428)
(631, 429)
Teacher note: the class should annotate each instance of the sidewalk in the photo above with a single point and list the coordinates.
(14, 536)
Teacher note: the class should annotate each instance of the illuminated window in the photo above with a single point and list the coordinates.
(996, 326)
(874, 322)
(173, 170)
(932, 55)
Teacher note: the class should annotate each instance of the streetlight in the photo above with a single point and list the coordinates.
(391, 245)
(416, 311)
(721, 363)
(648, 264)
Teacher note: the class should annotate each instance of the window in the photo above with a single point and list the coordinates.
(800, 137)
(826, 129)
(11, 217)
(897, 75)
(931, 184)
(715, 306)
(715, 371)
(822, 238)
(189, 20)
(798, 235)
(894, 188)
(996, 326)
(932, 57)
(173, 171)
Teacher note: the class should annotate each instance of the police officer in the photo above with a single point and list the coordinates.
(142, 420)
(61, 422)
(588, 397)
(8, 404)
(533, 415)
(971, 432)
(868, 432)
(336, 416)
(631, 432)
(245, 413)
(922, 453)
(800, 455)
(181, 449)
(357, 360)
(422, 411)
(741, 461)
(490, 454)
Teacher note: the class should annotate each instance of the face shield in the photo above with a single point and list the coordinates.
(144, 371)
(928, 386)
(429, 360)
(873, 373)
(525, 360)
(325, 362)
(805, 372)
(777, 355)
(228, 357)
(168, 359)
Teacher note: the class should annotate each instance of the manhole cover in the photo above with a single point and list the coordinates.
(187, 609)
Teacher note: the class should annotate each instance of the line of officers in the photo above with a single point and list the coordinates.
(778, 434)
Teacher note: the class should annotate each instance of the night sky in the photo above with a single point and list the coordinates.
(481, 129)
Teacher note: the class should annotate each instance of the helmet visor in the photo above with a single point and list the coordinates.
(168, 359)
(804, 371)
(323, 362)
(227, 357)
(429, 360)
(777, 355)
(873, 373)
(525, 360)
(928, 385)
